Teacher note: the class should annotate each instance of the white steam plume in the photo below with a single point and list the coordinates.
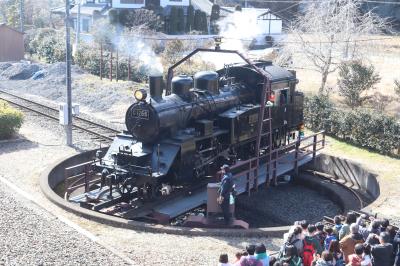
(237, 30)
(138, 49)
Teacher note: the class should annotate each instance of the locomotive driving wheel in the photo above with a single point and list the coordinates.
(126, 186)
(148, 192)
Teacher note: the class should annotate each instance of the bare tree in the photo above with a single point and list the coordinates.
(330, 32)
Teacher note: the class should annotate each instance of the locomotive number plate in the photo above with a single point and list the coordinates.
(141, 114)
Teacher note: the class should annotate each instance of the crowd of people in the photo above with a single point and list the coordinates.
(350, 241)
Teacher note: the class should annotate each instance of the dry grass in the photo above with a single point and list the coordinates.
(387, 167)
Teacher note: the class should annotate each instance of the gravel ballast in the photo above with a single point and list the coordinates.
(31, 236)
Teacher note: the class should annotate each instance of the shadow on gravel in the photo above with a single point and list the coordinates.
(240, 243)
(12, 146)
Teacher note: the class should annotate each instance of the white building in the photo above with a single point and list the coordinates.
(123, 4)
(89, 11)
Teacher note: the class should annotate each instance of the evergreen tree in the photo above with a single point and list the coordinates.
(204, 25)
(197, 20)
(355, 79)
(180, 27)
(215, 14)
(173, 20)
(190, 19)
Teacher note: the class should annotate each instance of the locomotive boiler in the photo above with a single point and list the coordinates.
(179, 138)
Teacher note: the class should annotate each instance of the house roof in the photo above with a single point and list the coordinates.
(4, 25)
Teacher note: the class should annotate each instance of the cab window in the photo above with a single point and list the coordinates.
(284, 97)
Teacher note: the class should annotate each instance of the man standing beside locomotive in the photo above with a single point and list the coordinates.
(224, 192)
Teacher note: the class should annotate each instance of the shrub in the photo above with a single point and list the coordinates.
(10, 120)
(355, 79)
(363, 127)
(143, 18)
(35, 37)
(51, 47)
(317, 112)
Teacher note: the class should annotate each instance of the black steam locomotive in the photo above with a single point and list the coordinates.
(207, 120)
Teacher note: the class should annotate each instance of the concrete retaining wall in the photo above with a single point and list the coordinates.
(350, 171)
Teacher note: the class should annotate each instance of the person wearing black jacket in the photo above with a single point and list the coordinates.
(224, 191)
(382, 254)
(396, 248)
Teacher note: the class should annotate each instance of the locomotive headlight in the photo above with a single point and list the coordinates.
(140, 95)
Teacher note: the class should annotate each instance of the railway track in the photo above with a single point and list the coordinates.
(97, 131)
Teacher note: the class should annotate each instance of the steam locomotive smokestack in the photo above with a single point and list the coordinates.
(156, 87)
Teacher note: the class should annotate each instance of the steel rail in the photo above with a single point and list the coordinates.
(84, 123)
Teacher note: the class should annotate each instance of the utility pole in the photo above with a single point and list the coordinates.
(78, 26)
(68, 127)
(21, 15)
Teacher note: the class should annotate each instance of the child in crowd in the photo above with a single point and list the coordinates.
(330, 236)
(223, 260)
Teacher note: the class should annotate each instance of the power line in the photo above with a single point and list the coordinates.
(311, 1)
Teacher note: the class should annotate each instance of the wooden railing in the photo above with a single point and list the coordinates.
(301, 148)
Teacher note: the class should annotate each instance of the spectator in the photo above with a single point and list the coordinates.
(338, 225)
(396, 248)
(238, 255)
(294, 238)
(223, 260)
(224, 192)
(374, 232)
(362, 229)
(334, 249)
(261, 254)
(291, 257)
(348, 243)
(356, 258)
(304, 225)
(392, 233)
(272, 261)
(326, 259)
(384, 224)
(330, 236)
(367, 257)
(375, 227)
(251, 258)
(310, 246)
(372, 240)
(345, 230)
(320, 234)
(382, 254)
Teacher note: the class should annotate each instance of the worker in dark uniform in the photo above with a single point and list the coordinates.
(224, 192)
